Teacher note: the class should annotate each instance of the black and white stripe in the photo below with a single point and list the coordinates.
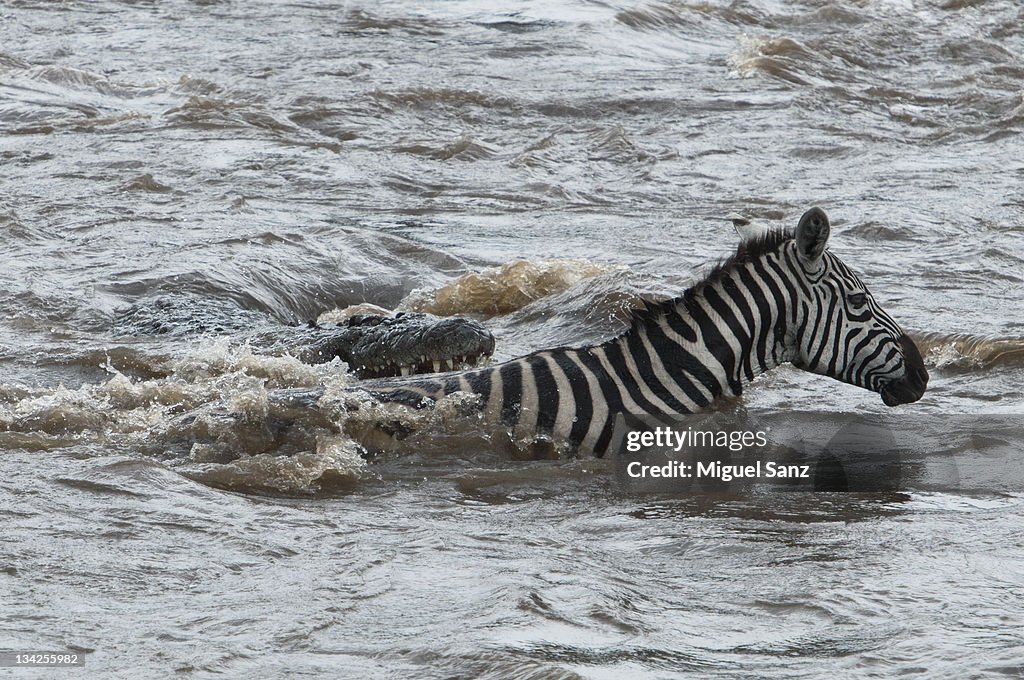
(780, 298)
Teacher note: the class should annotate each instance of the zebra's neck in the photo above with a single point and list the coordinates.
(714, 339)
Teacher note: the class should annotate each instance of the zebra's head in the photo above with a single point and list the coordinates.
(837, 328)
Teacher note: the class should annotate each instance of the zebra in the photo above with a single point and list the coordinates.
(780, 298)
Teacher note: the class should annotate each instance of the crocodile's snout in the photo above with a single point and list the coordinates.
(410, 343)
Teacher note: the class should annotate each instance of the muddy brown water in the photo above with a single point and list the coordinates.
(290, 159)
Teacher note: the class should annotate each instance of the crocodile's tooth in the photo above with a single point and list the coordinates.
(437, 367)
(405, 370)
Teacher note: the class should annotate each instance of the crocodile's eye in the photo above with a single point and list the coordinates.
(858, 300)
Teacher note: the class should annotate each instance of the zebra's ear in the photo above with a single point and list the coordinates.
(747, 229)
(812, 234)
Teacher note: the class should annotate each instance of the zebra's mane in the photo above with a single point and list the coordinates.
(747, 251)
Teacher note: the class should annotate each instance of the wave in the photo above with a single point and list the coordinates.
(10, 62)
(465, 148)
(681, 15)
(963, 350)
(611, 145)
(214, 112)
(421, 97)
(781, 57)
(361, 21)
(209, 417)
(74, 78)
(504, 289)
(334, 465)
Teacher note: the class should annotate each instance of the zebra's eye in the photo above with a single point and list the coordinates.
(858, 300)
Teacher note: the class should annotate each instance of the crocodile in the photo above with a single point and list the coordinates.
(379, 346)
(374, 345)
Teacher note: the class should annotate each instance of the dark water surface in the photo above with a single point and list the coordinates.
(277, 161)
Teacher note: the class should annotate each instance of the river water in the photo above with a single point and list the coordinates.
(276, 161)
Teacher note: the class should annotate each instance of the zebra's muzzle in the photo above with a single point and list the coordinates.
(912, 385)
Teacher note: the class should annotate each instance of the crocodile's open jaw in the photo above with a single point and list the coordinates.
(425, 365)
(407, 344)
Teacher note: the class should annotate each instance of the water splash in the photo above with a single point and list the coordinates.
(504, 289)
